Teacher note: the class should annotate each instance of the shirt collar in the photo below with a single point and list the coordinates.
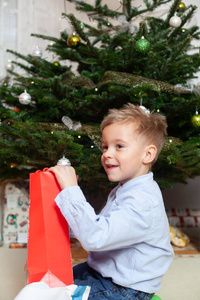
(121, 188)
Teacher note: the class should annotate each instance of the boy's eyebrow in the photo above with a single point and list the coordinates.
(117, 141)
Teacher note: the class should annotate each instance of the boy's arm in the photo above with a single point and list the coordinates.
(115, 230)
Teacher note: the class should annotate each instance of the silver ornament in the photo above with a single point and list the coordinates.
(70, 124)
(175, 21)
(24, 98)
(147, 111)
(37, 52)
(126, 26)
(9, 66)
(63, 161)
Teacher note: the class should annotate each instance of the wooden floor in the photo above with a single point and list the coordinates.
(190, 250)
(79, 255)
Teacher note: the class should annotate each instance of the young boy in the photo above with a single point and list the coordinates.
(128, 242)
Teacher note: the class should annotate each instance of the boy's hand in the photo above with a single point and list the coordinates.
(65, 175)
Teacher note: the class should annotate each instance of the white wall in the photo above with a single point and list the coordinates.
(184, 195)
(30, 16)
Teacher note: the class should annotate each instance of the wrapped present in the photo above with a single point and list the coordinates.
(177, 237)
(184, 217)
(15, 213)
(1, 211)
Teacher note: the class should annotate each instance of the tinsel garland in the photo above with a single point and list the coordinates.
(125, 79)
(135, 81)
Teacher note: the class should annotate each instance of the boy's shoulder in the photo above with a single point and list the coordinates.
(143, 191)
(141, 183)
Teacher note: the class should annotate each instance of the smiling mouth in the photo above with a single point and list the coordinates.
(111, 166)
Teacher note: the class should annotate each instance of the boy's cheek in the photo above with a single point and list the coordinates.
(102, 162)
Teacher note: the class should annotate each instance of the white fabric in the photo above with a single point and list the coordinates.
(41, 291)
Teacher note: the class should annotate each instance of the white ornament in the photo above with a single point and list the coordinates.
(191, 87)
(63, 162)
(37, 52)
(175, 21)
(147, 111)
(9, 66)
(126, 26)
(70, 124)
(24, 98)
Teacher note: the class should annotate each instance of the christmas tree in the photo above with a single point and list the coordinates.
(51, 111)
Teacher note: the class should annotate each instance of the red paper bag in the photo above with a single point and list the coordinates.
(49, 254)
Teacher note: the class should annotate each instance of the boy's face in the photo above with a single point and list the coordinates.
(124, 152)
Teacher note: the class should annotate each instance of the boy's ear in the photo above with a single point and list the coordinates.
(150, 154)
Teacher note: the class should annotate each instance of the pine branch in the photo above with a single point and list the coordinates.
(92, 31)
(23, 57)
(171, 13)
(76, 24)
(46, 37)
(188, 16)
(98, 9)
(150, 7)
(175, 54)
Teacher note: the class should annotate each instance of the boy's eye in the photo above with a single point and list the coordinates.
(119, 146)
(104, 148)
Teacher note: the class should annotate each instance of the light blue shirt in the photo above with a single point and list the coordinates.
(129, 240)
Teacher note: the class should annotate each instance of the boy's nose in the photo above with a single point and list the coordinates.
(108, 153)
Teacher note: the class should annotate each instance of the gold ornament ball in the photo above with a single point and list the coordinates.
(196, 120)
(73, 41)
(181, 6)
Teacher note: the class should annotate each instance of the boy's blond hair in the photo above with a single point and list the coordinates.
(152, 126)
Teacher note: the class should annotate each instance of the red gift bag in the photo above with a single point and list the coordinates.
(49, 254)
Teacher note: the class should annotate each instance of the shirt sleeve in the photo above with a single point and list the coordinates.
(123, 226)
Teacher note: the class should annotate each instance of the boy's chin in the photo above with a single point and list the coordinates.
(113, 179)
(121, 180)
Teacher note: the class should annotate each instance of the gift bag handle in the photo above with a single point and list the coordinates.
(45, 169)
